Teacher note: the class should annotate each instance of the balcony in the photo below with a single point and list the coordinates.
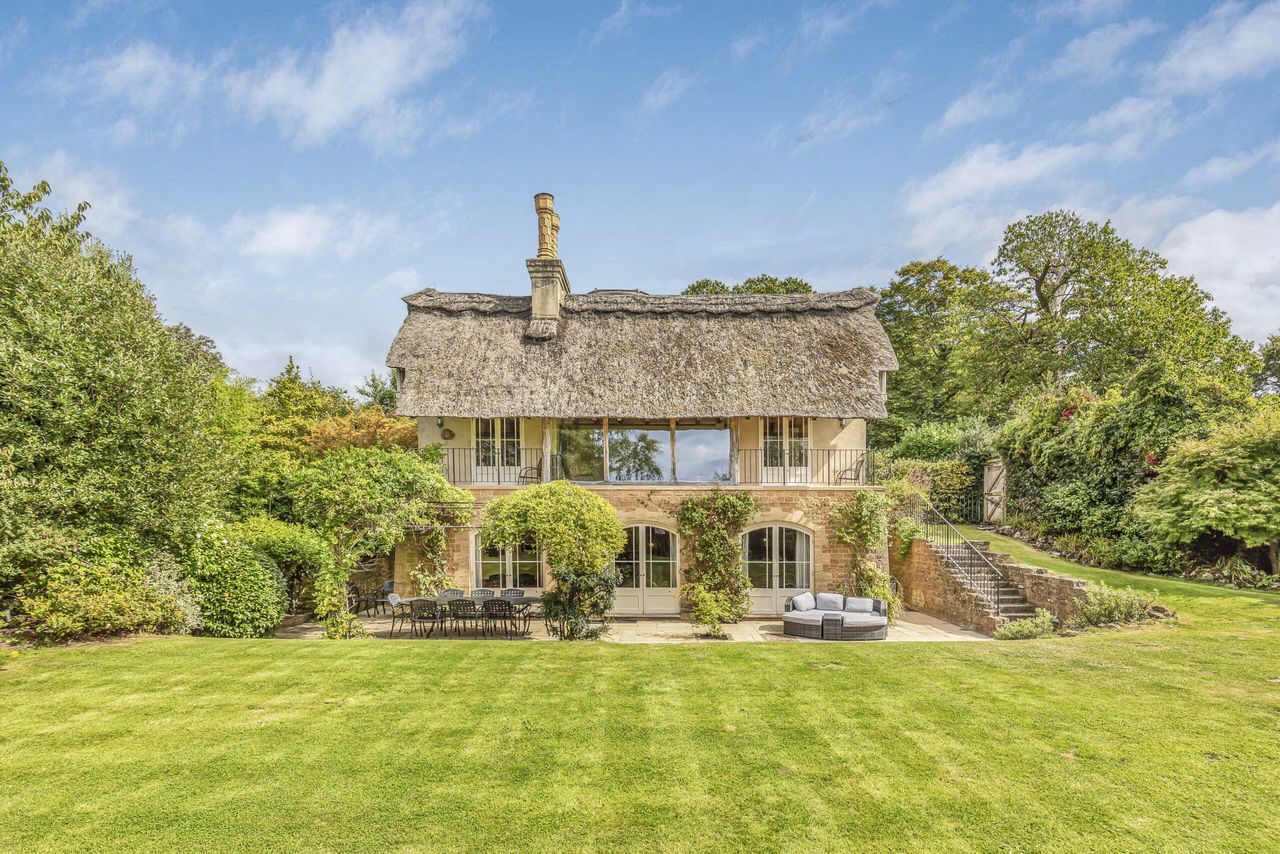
(511, 466)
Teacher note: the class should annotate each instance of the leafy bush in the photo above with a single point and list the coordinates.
(165, 575)
(906, 529)
(716, 583)
(102, 591)
(298, 552)
(947, 483)
(239, 590)
(1235, 571)
(580, 535)
(1226, 484)
(874, 582)
(1105, 605)
(1030, 628)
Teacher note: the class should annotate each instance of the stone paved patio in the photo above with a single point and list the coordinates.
(911, 626)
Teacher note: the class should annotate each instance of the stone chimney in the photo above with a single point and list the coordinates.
(546, 272)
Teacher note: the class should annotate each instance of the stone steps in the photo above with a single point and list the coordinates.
(1008, 598)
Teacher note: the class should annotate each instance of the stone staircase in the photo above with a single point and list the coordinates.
(974, 572)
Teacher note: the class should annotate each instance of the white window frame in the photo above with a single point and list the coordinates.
(510, 576)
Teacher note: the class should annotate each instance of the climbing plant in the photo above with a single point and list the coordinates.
(716, 585)
(861, 521)
(580, 535)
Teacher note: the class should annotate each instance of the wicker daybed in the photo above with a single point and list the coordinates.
(831, 616)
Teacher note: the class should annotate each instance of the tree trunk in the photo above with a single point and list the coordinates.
(1273, 551)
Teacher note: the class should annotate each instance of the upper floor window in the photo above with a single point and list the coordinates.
(497, 442)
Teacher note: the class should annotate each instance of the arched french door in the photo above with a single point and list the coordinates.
(648, 567)
(779, 561)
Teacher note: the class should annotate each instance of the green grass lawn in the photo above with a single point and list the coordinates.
(1161, 738)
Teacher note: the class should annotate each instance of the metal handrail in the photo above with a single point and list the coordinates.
(981, 574)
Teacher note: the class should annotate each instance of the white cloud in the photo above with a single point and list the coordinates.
(87, 9)
(1143, 220)
(111, 210)
(990, 169)
(819, 27)
(665, 90)
(308, 232)
(1098, 53)
(837, 119)
(1080, 10)
(746, 44)
(1229, 43)
(362, 78)
(890, 84)
(492, 108)
(1226, 167)
(978, 104)
(627, 13)
(1235, 256)
(1132, 124)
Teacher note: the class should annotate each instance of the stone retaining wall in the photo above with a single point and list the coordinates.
(1057, 594)
(927, 585)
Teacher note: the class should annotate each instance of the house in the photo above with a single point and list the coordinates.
(647, 399)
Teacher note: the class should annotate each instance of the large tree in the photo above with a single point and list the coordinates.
(922, 311)
(762, 284)
(1267, 379)
(108, 417)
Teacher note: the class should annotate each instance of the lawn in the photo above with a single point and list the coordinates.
(1161, 738)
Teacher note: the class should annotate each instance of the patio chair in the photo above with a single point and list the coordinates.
(401, 611)
(530, 474)
(498, 614)
(425, 616)
(359, 601)
(382, 599)
(461, 612)
(482, 593)
(512, 593)
(452, 591)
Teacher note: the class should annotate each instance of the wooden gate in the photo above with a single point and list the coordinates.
(993, 491)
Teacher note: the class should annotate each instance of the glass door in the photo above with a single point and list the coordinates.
(785, 444)
(497, 451)
(647, 567)
(779, 564)
(498, 569)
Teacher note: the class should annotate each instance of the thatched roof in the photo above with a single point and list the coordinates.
(626, 354)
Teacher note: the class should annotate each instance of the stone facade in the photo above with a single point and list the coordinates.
(802, 507)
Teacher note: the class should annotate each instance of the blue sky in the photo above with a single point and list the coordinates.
(283, 173)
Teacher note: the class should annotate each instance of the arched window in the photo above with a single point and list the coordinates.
(779, 562)
(647, 566)
(499, 568)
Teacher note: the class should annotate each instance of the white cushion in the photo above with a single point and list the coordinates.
(830, 602)
(809, 618)
(865, 620)
(859, 604)
(803, 602)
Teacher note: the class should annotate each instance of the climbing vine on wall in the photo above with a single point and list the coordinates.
(861, 521)
(716, 584)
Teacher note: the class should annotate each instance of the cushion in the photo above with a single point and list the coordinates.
(809, 618)
(830, 602)
(803, 602)
(859, 604)
(865, 620)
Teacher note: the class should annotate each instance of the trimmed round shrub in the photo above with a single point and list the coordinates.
(239, 590)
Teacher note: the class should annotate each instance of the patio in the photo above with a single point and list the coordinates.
(911, 626)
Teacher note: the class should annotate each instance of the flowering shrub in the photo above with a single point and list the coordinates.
(240, 591)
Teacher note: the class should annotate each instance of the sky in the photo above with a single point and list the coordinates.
(282, 173)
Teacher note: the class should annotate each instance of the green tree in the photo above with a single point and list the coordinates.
(580, 535)
(380, 390)
(923, 313)
(109, 419)
(1228, 483)
(363, 500)
(1267, 379)
(762, 284)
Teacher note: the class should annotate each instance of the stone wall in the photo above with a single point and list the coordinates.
(803, 507)
(928, 586)
(1057, 594)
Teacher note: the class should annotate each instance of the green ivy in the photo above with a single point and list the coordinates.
(716, 584)
(861, 521)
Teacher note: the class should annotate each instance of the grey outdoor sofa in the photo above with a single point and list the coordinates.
(831, 616)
